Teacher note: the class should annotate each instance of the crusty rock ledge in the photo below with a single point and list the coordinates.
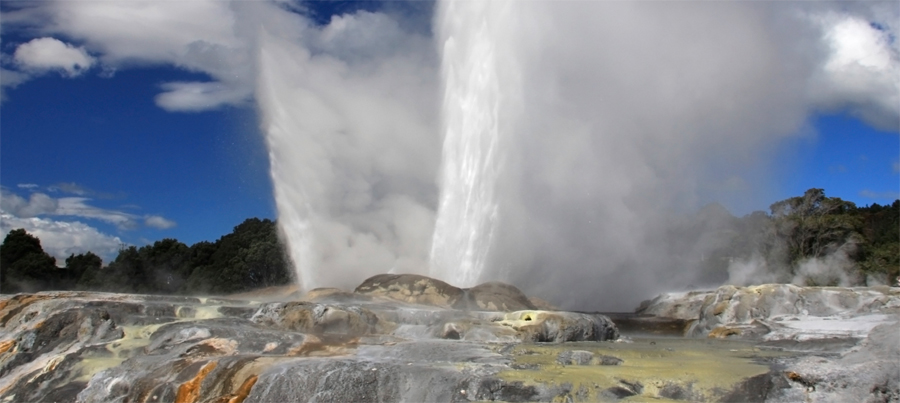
(397, 338)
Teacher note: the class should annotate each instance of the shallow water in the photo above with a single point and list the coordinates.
(651, 367)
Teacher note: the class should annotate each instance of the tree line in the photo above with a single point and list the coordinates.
(810, 240)
(250, 257)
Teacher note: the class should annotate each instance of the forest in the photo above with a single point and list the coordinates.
(810, 239)
(250, 257)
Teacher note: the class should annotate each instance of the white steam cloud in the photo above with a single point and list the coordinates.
(350, 124)
(620, 117)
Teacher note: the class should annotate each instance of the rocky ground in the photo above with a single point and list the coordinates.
(412, 338)
(841, 344)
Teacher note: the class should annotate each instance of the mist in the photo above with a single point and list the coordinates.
(614, 123)
(349, 112)
(628, 118)
(609, 125)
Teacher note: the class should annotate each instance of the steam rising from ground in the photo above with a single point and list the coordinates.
(633, 114)
(349, 115)
(596, 128)
(615, 121)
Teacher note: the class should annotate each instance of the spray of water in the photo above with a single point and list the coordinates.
(572, 138)
(283, 131)
(468, 211)
(347, 123)
(576, 133)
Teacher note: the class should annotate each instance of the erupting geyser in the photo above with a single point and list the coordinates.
(561, 146)
(472, 127)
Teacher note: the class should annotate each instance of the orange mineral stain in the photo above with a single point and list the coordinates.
(189, 391)
(7, 345)
(242, 392)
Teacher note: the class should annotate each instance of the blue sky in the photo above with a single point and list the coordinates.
(104, 136)
(847, 158)
(113, 136)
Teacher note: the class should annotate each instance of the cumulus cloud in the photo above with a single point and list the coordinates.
(37, 204)
(27, 186)
(862, 70)
(53, 54)
(61, 239)
(205, 36)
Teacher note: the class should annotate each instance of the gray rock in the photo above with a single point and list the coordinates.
(557, 326)
(308, 317)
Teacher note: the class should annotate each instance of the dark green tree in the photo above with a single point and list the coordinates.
(81, 268)
(24, 266)
(250, 257)
(166, 265)
(880, 255)
(126, 273)
(814, 225)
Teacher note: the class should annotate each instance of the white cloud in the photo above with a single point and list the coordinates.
(158, 222)
(53, 54)
(71, 188)
(10, 79)
(196, 96)
(39, 204)
(861, 72)
(27, 186)
(78, 207)
(61, 239)
(206, 36)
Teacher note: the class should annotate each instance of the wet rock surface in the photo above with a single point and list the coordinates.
(845, 341)
(400, 339)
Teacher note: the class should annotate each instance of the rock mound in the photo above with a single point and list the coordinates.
(422, 290)
(497, 296)
(411, 288)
